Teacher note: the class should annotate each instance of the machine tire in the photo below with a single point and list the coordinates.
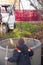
(14, 25)
(5, 28)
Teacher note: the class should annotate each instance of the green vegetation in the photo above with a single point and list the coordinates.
(24, 29)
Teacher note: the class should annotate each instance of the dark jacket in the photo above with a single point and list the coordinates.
(21, 55)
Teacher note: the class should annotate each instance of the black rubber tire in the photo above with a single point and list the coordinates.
(14, 25)
(5, 28)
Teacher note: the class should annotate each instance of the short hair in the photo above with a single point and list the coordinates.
(21, 41)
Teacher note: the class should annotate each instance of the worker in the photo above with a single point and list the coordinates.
(21, 54)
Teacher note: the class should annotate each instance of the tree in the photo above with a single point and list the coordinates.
(38, 5)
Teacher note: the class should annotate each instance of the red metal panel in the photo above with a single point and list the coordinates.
(27, 15)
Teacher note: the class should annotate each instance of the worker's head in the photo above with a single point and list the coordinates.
(21, 41)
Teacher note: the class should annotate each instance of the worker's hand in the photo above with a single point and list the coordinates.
(6, 58)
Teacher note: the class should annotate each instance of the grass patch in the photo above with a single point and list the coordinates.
(24, 28)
